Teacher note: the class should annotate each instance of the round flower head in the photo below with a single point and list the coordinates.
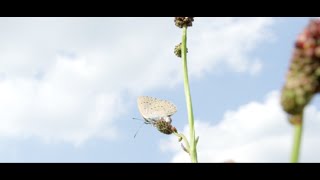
(181, 21)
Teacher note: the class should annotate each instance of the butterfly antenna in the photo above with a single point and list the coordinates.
(137, 119)
(138, 130)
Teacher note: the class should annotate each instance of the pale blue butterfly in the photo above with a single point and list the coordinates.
(157, 112)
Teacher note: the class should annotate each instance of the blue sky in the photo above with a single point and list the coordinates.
(68, 89)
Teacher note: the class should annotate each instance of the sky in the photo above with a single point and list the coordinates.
(69, 89)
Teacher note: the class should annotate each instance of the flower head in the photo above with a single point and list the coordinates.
(303, 77)
(165, 127)
(181, 21)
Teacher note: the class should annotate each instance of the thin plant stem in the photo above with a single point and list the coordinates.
(180, 135)
(193, 148)
(298, 127)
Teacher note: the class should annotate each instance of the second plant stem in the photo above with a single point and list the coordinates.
(193, 144)
(297, 138)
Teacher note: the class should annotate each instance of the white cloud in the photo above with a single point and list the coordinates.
(227, 41)
(63, 79)
(255, 132)
(65, 105)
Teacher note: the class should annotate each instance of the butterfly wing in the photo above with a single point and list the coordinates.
(153, 108)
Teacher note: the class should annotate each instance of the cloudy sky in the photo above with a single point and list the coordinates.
(68, 89)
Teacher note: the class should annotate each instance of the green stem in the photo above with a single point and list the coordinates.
(180, 135)
(193, 148)
(297, 138)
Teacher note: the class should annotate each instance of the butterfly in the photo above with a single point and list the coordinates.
(157, 112)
